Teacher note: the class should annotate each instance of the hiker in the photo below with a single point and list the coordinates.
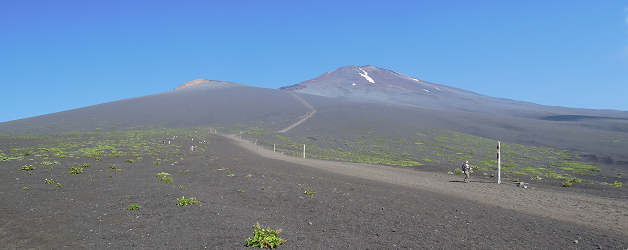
(465, 169)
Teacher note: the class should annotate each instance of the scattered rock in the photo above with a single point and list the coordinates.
(522, 184)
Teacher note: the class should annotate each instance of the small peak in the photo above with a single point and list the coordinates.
(204, 82)
(369, 67)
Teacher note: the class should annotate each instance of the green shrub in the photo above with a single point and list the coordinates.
(181, 187)
(76, 170)
(576, 180)
(25, 188)
(309, 192)
(133, 207)
(165, 177)
(85, 165)
(49, 181)
(617, 184)
(567, 184)
(27, 168)
(458, 171)
(264, 238)
(130, 161)
(58, 185)
(184, 202)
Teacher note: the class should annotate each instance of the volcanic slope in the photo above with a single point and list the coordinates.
(196, 103)
(235, 189)
(561, 147)
(386, 103)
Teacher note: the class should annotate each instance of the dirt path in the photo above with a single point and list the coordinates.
(595, 212)
(308, 115)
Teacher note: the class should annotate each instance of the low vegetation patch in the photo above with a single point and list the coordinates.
(309, 192)
(264, 237)
(133, 207)
(49, 163)
(27, 168)
(617, 184)
(76, 170)
(165, 177)
(184, 202)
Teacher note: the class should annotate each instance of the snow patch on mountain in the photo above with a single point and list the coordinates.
(366, 75)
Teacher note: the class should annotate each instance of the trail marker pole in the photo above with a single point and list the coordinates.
(274, 148)
(303, 151)
(499, 164)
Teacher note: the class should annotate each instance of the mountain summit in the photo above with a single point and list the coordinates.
(204, 83)
(360, 79)
(372, 84)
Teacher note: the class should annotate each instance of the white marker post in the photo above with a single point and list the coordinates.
(274, 148)
(499, 164)
(303, 151)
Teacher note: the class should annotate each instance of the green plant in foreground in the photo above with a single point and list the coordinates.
(182, 187)
(264, 238)
(58, 185)
(309, 192)
(165, 177)
(27, 168)
(49, 181)
(133, 207)
(85, 165)
(617, 184)
(76, 170)
(567, 184)
(25, 188)
(184, 202)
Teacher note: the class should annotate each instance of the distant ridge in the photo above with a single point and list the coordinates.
(204, 83)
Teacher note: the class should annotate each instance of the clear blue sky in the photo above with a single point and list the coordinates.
(59, 55)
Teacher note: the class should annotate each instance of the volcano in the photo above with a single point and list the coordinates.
(377, 85)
